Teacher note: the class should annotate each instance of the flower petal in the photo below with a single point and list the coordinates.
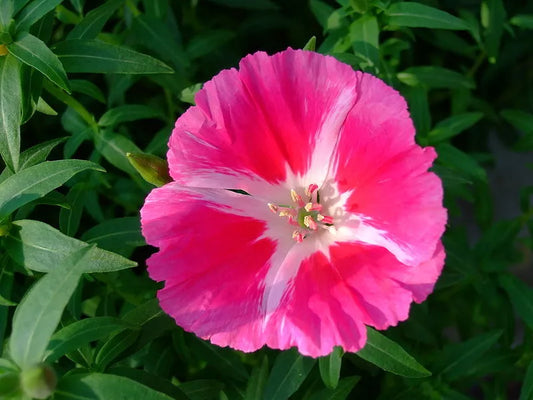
(398, 202)
(277, 114)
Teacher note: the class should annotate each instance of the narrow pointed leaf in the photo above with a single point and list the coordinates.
(341, 392)
(126, 113)
(34, 52)
(521, 296)
(116, 234)
(98, 386)
(40, 247)
(34, 11)
(10, 111)
(417, 15)
(435, 77)
(526, 393)
(330, 368)
(390, 356)
(452, 126)
(81, 332)
(257, 381)
(6, 12)
(38, 180)
(288, 372)
(39, 312)
(91, 25)
(100, 57)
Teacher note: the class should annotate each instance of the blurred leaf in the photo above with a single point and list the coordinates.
(461, 162)
(523, 21)
(69, 218)
(115, 234)
(389, 356)
(202, 389)
(341, 392)
(452, 126)
(37, 180)
(100, 57)
(246, 4)
(417, 97)
(523, 122)
(322, 12)
(311, 44)
(521, 296)
(435, 77)
(40, 247)
(330, 368)
(10, 111)
(364, 36)
(527, 387)
(456, 358)
(257, 381)
(33, 12)
(493, 17)
(96, 386)
(39, 312)
(187, 94)
(114, 148)
(206, 43)
(155, 382)
(32, 51)
(126, 113)
(114, 347)
(6, 13)
(79, 333)
(225, 361)
(416, 15)
(88, 88)
(288, 372)
(91, 25)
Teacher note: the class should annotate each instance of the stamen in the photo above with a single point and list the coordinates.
(273, 208)
(325, 219)
(313, 207)
(297, 198)
(310, 189)
(310, 222)
(298, 236)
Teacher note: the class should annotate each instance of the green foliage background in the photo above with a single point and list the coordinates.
(83, 83)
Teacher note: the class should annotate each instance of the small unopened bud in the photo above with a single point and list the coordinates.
(38, 382)
(5, 227)
(153, 169)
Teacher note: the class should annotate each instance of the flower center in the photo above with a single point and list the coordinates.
(306, 217)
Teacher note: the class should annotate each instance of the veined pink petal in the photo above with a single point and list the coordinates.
(260, 122)
(398, 201)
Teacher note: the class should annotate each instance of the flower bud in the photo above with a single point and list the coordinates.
(153, 169)
(38, 382)
(3, 50)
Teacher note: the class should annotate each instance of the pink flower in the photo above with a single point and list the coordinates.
(342, 224)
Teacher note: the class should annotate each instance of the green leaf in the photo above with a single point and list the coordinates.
(10, 111)
(38, 153)
(452, 126)
(187, 94)
(33, 12)
(208, 42)
(458, 357)
(96, 386)
(32, 51)
(390, 356)
(521, 296)
(40, 247)
(417, 97)
(6, 13)
(69, 218)
(364, 35)
(341, 392)
(116, 234)
(19, 4)
(330, 368)
(225, 361)
(248, 5)
(100, 57)
(38, 180)
(40, 310)
(202, 389)
(416, 15)
(524, 21)
(114, 347)
(257, 381)
(79, 333)
(456, 160)
(91, 25)
(322, 12)
(493, 17)
(435, 77)
(114, 148)
(88, 88)
(126, 113)
(311, 44)
(526, 393)
(288, 372)
(521, 120)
